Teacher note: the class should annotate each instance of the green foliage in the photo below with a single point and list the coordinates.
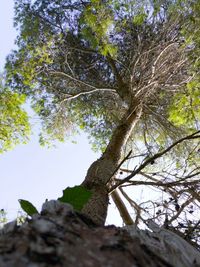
(40, 46)
(185, 107)
(63, 47)
(77, 196)
(95, 121)
(184, 110)
(14, 125)
(27, 207)
(191, 31)
(139, 19)
(96, 22)
(38, 57)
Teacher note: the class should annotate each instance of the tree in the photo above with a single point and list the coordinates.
(14, 125)
(126, 74)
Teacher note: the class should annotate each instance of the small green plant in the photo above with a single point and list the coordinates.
(27, 207)
(77, 196)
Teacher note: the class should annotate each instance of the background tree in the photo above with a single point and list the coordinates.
(127, 74)
(14, 125)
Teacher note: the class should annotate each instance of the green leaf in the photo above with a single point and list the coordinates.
(27, 207)
(139, 19)
(77, 196)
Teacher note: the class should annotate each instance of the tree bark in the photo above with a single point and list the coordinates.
(102, 170)
(61, 237)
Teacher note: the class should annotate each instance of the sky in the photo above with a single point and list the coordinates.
(32, 172)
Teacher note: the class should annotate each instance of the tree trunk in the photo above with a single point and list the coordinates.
(102, 170)
(61, 237)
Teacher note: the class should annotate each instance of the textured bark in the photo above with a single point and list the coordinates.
(61, 237)
(102, 170)
(96, 208)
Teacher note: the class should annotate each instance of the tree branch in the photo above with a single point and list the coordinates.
(87, 93)
(177, 183)
(122, 208)
(134, 205)
(158, 155)
(60, 73)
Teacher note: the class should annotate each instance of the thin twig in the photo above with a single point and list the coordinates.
(177, 183)
(118, 167)
(185, 204)
(79, 81)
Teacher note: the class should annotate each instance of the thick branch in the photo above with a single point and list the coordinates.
(122, 208)
(135, 206)
(122, 133)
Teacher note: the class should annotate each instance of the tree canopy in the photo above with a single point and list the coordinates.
(71, 58)
(127, 73)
